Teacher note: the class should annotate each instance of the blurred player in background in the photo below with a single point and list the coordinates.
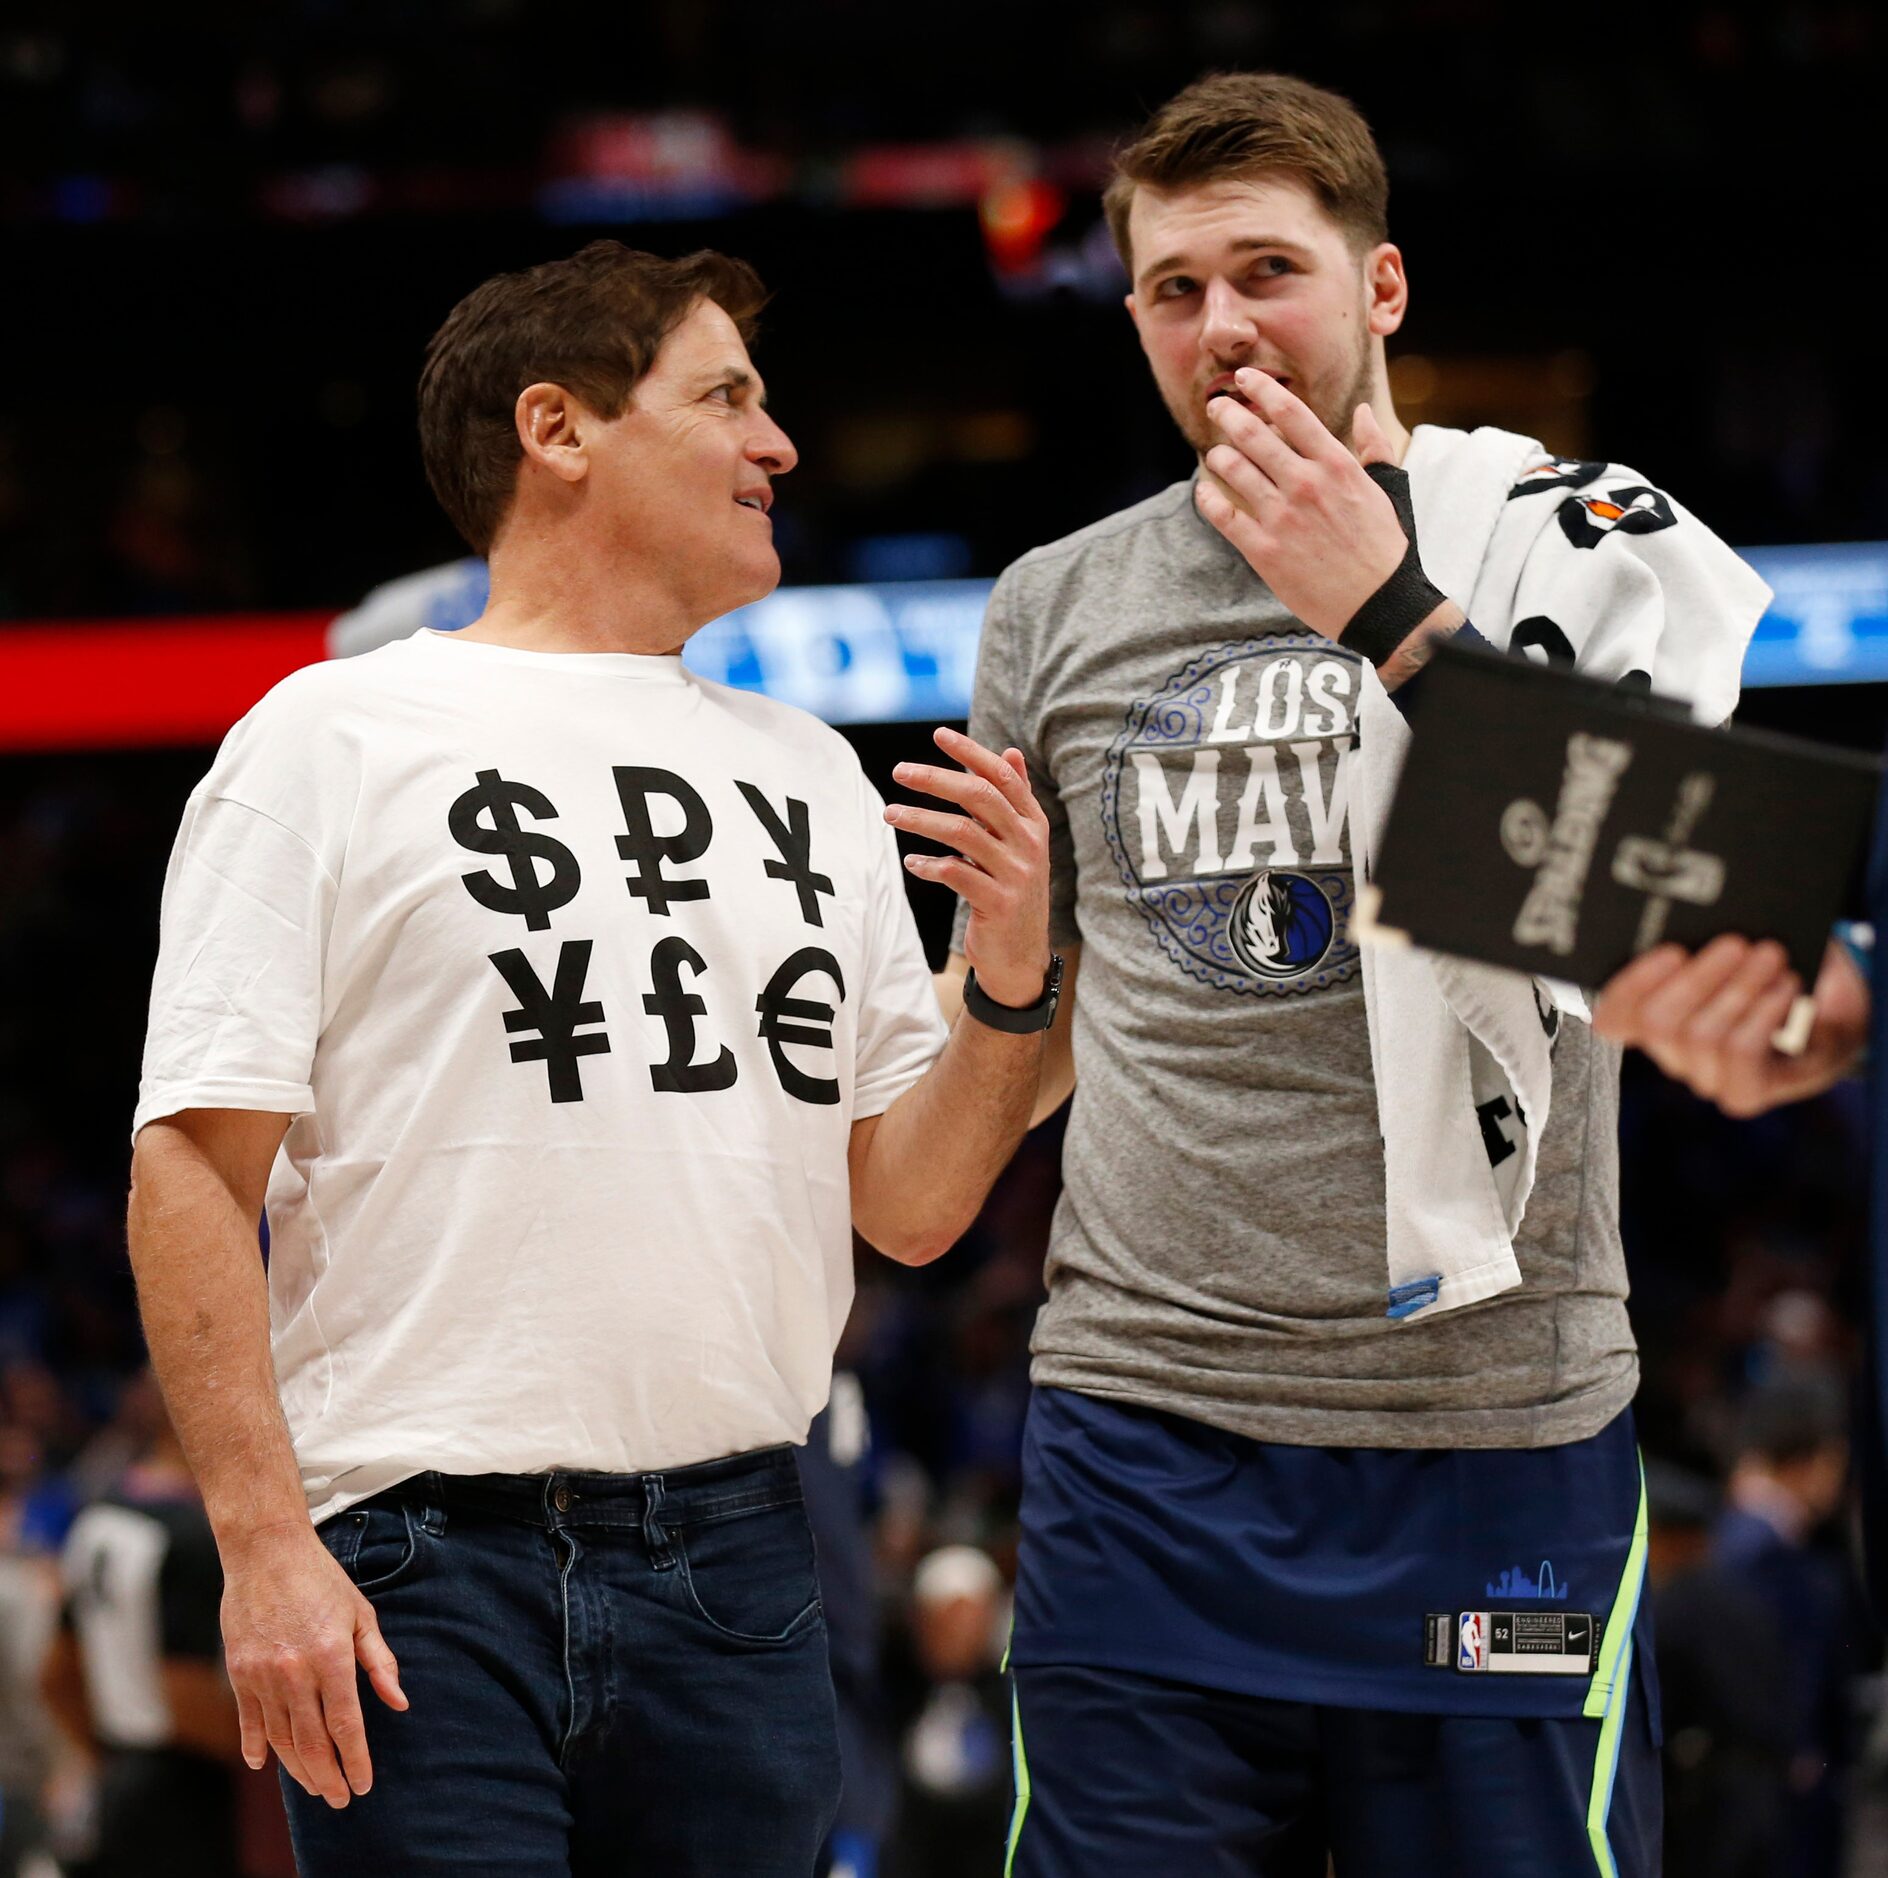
(569, 1012)
(1314, 1415)
(135, 1674)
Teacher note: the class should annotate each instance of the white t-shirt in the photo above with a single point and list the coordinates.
(574, 971)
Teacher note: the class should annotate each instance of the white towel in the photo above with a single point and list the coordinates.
(1569, 561)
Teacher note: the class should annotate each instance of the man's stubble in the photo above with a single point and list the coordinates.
(1336, 414)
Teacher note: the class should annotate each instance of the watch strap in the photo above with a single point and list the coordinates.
(1007, 1017)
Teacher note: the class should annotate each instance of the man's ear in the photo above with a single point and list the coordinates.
(1388, 288)
(1134, 309)
(553, 426)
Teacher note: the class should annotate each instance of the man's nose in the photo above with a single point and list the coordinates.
(771, 448)
(1227, 327)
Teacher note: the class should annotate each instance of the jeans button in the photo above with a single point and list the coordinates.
(561, 1499)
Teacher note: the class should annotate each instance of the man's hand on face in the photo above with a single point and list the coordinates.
(1296, 502)
(1707, 1020)
(293, 1629)
(1001, 867)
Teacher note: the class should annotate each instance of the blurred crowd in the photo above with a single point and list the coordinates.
(294, 196)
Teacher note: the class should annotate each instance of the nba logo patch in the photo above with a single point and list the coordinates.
(1472, 1641)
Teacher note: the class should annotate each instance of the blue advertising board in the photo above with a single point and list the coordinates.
(895, 651)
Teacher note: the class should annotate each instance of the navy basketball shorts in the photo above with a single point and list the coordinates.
(1238, 1657)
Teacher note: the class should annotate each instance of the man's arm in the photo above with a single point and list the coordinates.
(922, 1168)
(293, 1626)
(1058, 1052)
(62, 1689)
(1707, 1020)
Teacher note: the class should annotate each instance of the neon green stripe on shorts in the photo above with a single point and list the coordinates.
(1019, 1762)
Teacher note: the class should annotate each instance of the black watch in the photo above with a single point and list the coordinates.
(1019, 1023)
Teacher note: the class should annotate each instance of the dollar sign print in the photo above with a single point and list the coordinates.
(534, 899)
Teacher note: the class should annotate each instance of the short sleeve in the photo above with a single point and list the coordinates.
(999, 720)
(190, 1591)
(901, 1029)
(236, 997)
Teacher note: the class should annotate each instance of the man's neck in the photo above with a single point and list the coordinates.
(549, 595)
(1384, 411)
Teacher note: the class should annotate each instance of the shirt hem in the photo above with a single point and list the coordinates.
(877, 1097)
(1529, 1425)
(268, 1098)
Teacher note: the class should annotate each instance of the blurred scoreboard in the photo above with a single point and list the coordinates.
(853, 655)
(868, 653)
(1829, 621)
(893, 651)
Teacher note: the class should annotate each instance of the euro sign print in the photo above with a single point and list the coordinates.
(485, 819)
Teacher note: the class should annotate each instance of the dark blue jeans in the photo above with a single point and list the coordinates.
(608, 1674)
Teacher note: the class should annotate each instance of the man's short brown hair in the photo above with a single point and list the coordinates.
(593, 324)
(1237, 124)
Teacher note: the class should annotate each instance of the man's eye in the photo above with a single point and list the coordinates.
(1174, 287)
(723, 392)
(1272, 265)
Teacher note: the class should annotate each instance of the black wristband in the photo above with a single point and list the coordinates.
(1018, 1022)
(1408, 597)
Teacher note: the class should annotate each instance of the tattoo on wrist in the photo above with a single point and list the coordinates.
(1414, 653)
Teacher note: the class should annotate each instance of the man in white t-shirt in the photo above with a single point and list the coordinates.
(567, 1014)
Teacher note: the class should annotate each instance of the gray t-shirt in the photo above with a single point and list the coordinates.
(1219, 1246)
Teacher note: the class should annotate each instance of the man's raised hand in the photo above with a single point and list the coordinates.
(1001, 867)
(1296, 502)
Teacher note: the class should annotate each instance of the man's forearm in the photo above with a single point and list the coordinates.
(203, 1296)
(938, 1149)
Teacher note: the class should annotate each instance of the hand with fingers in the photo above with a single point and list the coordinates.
(1296, 502)
(1707, 1020)
(293, 1629)
(1001, 867)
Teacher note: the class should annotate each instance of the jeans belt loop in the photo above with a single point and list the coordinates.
(661, 1554)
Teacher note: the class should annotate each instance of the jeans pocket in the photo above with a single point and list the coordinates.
(375, 1543)
(751, 1577)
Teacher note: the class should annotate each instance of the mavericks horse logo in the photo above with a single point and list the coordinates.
(1282, 924)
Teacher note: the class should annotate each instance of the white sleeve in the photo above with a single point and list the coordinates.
(901, 1029)
(236, 1000)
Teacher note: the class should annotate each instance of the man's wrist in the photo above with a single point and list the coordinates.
(1015, 994)
(1007, 1012)
(237, 1540)
(1419, 647)
(1392, 615)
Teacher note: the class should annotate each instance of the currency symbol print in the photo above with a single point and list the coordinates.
(638, 789)
(555, 1014)
(785, 1019)
(485, 819)
(793, 836)
(678, 1008)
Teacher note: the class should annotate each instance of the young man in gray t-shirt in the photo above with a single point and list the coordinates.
(1260, 1509)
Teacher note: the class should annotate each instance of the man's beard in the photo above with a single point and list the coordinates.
(1336, 415)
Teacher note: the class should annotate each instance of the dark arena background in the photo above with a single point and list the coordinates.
(1640, 234)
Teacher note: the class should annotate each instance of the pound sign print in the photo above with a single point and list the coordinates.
(485, 820)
